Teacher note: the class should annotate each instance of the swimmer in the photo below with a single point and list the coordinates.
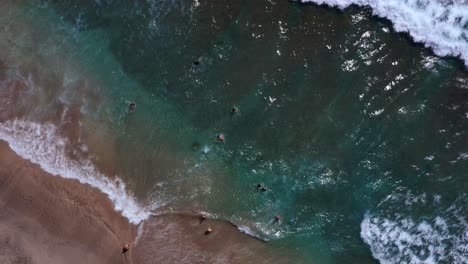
(234, 110)
(264, 189)
(277, 218)
(131, 106)
(208, 231)
(196, 63)
(221, 137)
(203, 217)
(259, 186)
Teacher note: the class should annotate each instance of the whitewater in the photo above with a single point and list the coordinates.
(41, 144)
(394, 236)
(440, 25)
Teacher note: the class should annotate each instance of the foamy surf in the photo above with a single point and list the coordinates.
(407, 241)
(41, 144)
(399, 238)
(246, 230)
(440, 25)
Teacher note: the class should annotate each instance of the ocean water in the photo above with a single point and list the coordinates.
(358, 131)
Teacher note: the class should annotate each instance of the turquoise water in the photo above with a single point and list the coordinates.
(357, 133)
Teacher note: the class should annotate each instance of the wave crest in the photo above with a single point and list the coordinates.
(394, 236)
(440, 25)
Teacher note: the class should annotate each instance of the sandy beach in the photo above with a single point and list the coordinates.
(48, 219)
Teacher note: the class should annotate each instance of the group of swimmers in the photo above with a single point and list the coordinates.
(203, 216)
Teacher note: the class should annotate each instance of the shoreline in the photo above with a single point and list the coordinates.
(49, 219)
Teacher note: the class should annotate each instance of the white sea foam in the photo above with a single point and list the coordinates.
(246, 230)
(439, 24)
(406, 241)
(41, 144)
(394, 236)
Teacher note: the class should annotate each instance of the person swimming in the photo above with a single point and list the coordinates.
(292, 221)
(234, 110)
(261, 187)
(131, 106)
(220, 137)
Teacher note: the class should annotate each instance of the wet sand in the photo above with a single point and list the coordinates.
(178, 238)
(48, 219)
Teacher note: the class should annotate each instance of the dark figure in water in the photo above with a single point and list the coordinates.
(125, 249)
(263, 189)
(196, 63)
(196, 146)
(292, 221)
(234, 110)
(277, 218)
(259, 186)
(131, 106)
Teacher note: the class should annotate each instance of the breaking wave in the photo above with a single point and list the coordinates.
(400, 238)
(41, 144)
(440, 24)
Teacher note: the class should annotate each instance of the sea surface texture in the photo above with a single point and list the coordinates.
(352, 114)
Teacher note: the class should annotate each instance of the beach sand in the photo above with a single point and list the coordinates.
(176, 238)
(48, 219)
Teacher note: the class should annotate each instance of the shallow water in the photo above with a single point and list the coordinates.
(358, 133)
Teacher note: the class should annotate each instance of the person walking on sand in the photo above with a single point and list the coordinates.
(125, 249)
(203, 217)
(208, 231)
